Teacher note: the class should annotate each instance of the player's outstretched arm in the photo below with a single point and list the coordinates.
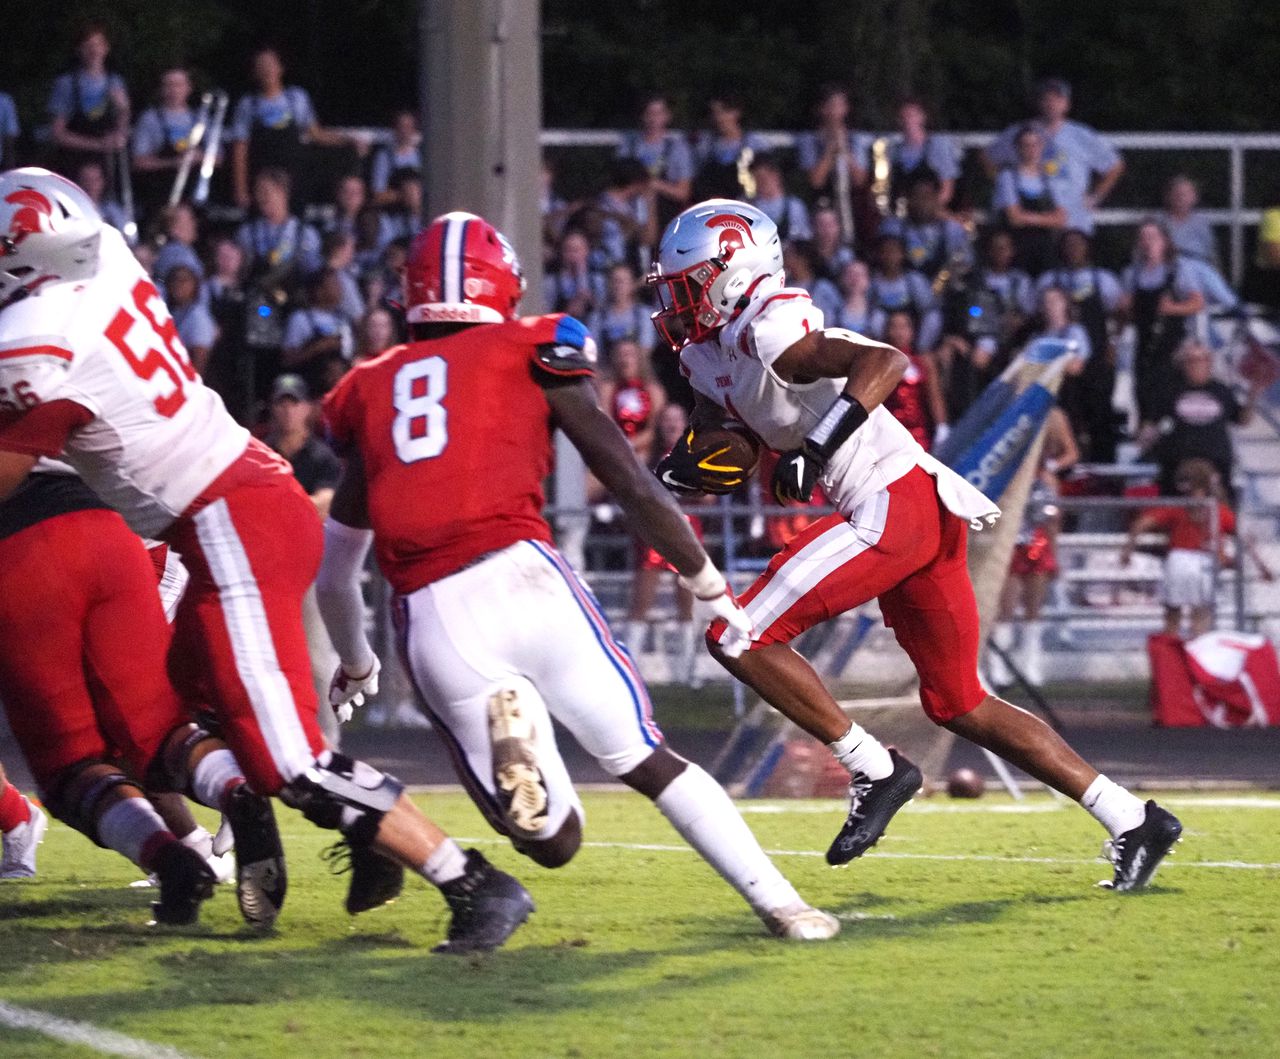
(653, 514)
(872, 370)
(347, 538)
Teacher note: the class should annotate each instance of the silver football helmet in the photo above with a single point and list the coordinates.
(49, 231)
(711, 260)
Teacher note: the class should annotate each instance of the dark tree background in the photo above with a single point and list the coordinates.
(1159, 64)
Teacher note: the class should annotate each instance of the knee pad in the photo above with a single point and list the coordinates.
(339, 793)
(170, 770)
(79, 791)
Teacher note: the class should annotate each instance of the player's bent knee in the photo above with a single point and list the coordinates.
(170, 770)
(559, 849)
(655, 773)
(82, 792)
(342, 794)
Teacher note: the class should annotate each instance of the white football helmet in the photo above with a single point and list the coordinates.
(711, 260)
(49, 231)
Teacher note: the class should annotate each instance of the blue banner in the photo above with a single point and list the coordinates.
(992, 461)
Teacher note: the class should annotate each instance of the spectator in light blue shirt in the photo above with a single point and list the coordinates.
(771, 199)
(894, 286)
(403, 151)
(195, 324)
(89, 107)
(1194, 240)
(10, 130)
(915, 151)
(665, 153)
(834, 157)
(800, 262)
(1074, 155)
(724, 153)
(933, 241)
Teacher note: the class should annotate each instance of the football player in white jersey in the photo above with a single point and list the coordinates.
(91, 367)
(757, 350)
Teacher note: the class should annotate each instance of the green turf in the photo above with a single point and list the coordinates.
(645, 952)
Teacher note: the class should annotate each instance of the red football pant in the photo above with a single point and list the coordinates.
(83, 641)
(903, 547)
(239, 643)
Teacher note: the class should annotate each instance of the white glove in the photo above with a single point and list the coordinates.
(347, 690)
(712, 600)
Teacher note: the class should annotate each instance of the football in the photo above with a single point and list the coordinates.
(726, 457)
(965, 783)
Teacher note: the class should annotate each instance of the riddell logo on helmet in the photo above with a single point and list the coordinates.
(29, 217)
(476, 287)
(735, 233)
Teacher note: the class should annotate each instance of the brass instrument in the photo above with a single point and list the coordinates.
(746, 180)
(958, 265)
(124, 174)
(214, 144)
(881, 174)
(206, 132)
(844, 190)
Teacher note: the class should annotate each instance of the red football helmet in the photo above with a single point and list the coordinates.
(461, 269)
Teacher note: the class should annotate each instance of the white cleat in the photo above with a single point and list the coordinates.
(800, 922)
(19, 860)
(519, 782)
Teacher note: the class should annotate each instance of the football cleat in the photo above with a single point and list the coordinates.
(1138, 852)
(19, 858)
(261, 878)
(375, 880)
(516, 776)
(800, 922)
(185, 881)
(487, 905)
(872, 804)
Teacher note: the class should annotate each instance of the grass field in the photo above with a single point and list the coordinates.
(973, 930)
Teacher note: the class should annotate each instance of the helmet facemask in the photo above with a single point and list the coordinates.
(687, 314)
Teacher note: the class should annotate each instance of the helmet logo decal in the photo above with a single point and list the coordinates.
(735, 233)
(29, 218)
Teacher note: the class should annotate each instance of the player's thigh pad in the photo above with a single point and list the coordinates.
(459, 643)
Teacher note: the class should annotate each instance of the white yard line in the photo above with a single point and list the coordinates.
(656, 847)
(85, 1034)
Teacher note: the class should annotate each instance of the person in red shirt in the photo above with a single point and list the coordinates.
(448, 439)
(916, 402)
(1192, 562)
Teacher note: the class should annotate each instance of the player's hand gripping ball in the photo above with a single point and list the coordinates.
(714, 459)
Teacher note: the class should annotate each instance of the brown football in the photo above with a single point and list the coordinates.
(965, 783)
(726, 456)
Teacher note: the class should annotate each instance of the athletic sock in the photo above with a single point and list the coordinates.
(14, 808)
(215, 777)
(200, 840)
(1113, 807)
(446, 863)
(701, 811)
(859, 751)
(133, 828)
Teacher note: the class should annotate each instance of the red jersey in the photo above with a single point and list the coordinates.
(632, 406)
(1188, 528)
(455, 436)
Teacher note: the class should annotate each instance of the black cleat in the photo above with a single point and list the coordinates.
(185, 880)
(872, 804)
(487, 904)
(375, 880)
(261, 878)
(1138, 852)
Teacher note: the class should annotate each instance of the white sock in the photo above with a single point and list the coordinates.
(215, 776)
(200, 840)
(701, 811)
(1113, 807)
(133, 828)
(446, 863)
(859, 751)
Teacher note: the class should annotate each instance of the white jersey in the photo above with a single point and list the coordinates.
(735, 370)
(150, 437)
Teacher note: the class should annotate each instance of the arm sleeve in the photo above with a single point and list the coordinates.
(43, 431)
(338, 592)
(567, 353)
(242, 123)
(61, 97)
(304, 114)
(1101, 154)
(1004, 195)
(297, 330)
(679, 159)
(943, 156)
(148, 134)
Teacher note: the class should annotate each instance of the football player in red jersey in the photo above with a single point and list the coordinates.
(91, 367)
(447, 441)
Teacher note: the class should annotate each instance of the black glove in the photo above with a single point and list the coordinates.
(678, 469)
(796, 474)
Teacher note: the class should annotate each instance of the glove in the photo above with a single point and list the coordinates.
(347, 691)
(796, 475)
(713, 601)
(678, 470)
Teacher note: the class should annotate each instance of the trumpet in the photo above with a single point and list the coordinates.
(206, 131)
(124, 176)
(881, 172)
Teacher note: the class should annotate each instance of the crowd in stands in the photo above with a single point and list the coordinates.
(296, 269)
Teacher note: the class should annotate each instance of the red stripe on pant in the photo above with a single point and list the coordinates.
(83, 642)
(239, 640)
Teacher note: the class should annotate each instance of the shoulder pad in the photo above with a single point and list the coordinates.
(565, 348)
